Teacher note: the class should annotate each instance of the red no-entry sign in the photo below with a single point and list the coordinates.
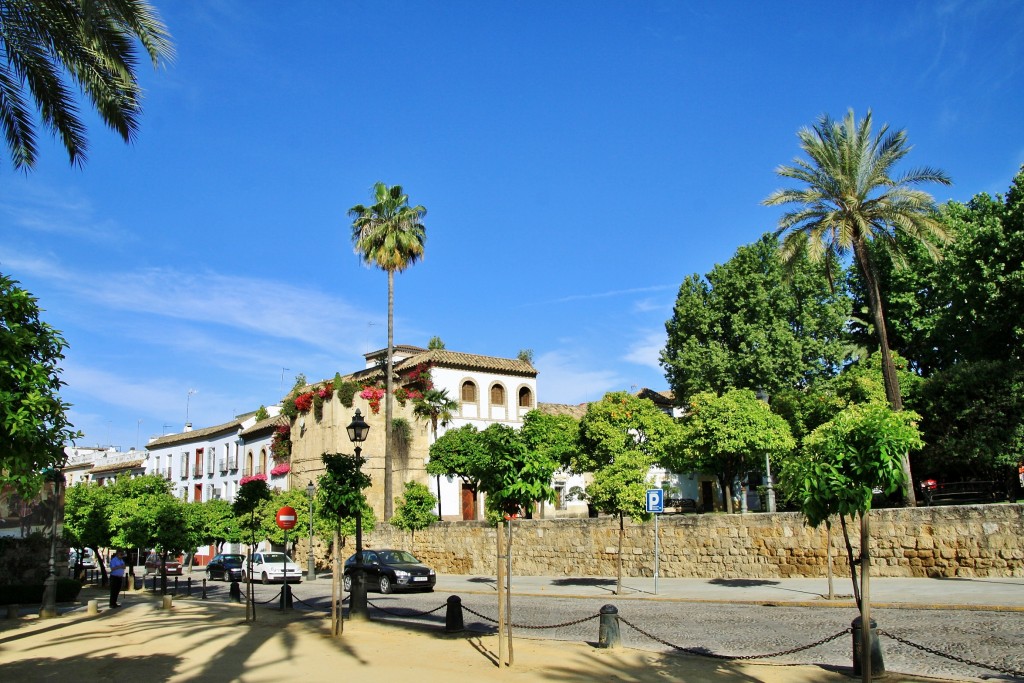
(286, 518)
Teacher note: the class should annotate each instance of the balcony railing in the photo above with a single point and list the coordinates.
(223, 466)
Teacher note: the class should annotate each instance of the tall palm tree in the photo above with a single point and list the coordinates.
(46, 43)
(390, 235)
(849, 200)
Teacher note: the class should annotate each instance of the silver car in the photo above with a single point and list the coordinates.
(271, 566)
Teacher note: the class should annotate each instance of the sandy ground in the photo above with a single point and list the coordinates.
(197, 641)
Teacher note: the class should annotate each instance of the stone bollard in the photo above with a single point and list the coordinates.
(92, 607)
(13, 611)
(235, 592)
(453, 621)
(877, 664)
(608, 634)
(168, 602)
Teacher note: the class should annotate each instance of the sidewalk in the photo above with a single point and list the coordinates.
(956, 593)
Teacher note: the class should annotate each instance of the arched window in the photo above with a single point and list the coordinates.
(497, 395)
(469, 391)
(248, 463)
(263, 461)
(525, 397)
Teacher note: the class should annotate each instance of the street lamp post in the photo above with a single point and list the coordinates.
(311, 563)
(762, 395)
(357, 432)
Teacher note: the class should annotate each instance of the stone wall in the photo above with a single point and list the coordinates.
(964, 541)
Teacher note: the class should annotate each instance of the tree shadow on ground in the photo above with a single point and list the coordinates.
(743, 583)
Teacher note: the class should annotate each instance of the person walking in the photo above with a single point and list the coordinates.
(117, 567)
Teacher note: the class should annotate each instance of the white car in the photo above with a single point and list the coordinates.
(271, 566)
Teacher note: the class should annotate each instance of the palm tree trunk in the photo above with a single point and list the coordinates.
(889, 376)
(388, 398)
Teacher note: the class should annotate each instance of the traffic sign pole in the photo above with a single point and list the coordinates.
(656, 505)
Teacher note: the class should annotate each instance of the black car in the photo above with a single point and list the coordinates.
(391, 570)
(227, 566)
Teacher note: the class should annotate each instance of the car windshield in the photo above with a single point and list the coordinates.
(279, 558)
(398, 557)
(231, 558)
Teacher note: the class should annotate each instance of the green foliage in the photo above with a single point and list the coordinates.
(459, 453)
(554, 437)
(620, 487)
(751, 324)
(436, 406)
(514, 477)
(974, 421)
(845, 459)
(340, 487)
(618, 424)
(525, 355)
(388, 233)
(51, 48)
(416, 509)
(248, 499)
(87, 515)
(435, 343)
(151, 520)
(345, 390)
(730, 435)
(262, 413)
(33, 420)
(401, 430)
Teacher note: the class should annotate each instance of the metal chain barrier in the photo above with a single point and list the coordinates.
(265, 602)
(411, 614)
(713, 655)
(924, 648)
(528, 626)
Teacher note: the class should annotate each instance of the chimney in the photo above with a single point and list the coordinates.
(188, 426)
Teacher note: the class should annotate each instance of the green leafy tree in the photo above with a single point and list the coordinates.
(436, 407)
(730, 435)
(461, 453)
(851, 199)
(435, 343)
(246, 506)
(389, 234)
(620, 488)
(620, 423)
(87, 520)
(33, 418)
(514, 478)
(750, 324)
(152, 520)
(340, 497)
(555, 437)
(861, 450)
(51, 46)
(415, 510)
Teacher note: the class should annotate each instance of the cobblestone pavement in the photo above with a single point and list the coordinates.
(991, 637)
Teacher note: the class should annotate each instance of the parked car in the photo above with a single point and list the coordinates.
(88, 559)
(389, 570)
(172, 566)
(271, 566)
(227, 566)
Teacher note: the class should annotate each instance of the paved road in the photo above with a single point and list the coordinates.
(979, 620)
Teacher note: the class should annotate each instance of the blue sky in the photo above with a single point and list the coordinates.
(577, 160)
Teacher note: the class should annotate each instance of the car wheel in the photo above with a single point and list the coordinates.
(348, 583)
(385, 585)
(266, 579)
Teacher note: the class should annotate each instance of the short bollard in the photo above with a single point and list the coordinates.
(168, 602)
(235, 592)
(92, 607)
(175, 586)
(286, 596)
(204, 589)
(608, 635)
(13, 611)
(877, 664)
(453, 622)
(188, 586)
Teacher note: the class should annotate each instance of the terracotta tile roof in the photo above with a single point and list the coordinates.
(119, 467)
(666, 398)
(576, 411)
(196, 434)
(266, 425)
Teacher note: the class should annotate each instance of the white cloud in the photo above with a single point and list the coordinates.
(566, 377)
(646, 350)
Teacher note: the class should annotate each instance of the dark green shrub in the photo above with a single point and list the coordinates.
(67, 591)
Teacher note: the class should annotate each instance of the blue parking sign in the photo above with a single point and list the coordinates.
(655, 500)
